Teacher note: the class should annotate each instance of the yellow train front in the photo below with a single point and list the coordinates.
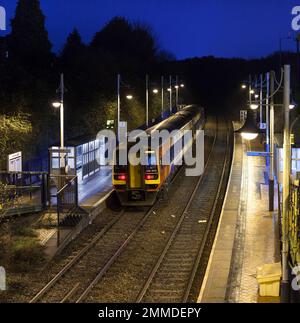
(140, 185)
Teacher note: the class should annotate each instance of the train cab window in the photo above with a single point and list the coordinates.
(151, 162)
(120, 169)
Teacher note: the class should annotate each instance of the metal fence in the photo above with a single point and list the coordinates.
(22, 192)
(64, 195)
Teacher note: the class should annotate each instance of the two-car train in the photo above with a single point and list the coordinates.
(140, 185)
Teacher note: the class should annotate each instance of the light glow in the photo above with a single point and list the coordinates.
(244, 86)
(122, 177)
(129, 97)
(254, 106)
(155, 91)
(149, 177)
(249, 136)
(292, 106)
(56, 105)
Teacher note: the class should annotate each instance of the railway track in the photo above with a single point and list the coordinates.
(73, 279)
(71, 283)
(84, 273)
(172, 276)
(127, 275)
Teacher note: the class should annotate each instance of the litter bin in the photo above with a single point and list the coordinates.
(268, 277)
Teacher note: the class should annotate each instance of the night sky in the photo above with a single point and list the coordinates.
(187, 28)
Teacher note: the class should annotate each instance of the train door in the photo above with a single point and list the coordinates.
(135, 177)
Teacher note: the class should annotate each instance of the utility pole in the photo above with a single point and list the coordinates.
(250, 90)
(286, 184)
(162, 97)
(119, 103)
(170, 94)
(147, 100)
(271, 149)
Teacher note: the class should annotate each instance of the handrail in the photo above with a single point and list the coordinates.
(67, 185)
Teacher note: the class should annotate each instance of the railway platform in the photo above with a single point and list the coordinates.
(92, 197)
(247, 234)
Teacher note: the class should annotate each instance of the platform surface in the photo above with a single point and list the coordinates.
(246, 236)
(92, 195)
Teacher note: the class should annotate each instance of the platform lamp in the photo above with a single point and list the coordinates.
(249, 130)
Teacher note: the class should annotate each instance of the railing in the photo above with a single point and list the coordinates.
(22, 192)
(64, 195)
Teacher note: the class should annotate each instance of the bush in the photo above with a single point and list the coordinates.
(26, 254)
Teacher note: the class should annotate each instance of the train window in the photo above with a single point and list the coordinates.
(120, 169)
(151, 160)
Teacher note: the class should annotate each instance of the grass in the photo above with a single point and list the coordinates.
(20, 254)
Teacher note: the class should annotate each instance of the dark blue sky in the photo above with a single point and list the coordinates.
(187, 28)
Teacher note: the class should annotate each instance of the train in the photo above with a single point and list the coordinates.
(142, 185)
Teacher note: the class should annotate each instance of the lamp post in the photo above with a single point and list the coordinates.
(261, 100)
(177, 91)
(250, 90)
(286, 183)
(60, 105)
(271, 129)
(170, 94)
(119, 103)
(162, 97)
(147, 100)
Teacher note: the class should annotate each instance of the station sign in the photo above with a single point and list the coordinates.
(14, 162)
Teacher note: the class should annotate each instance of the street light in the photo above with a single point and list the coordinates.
(249, 136)
(249, 131)
(155, 91)
(254, 106)
(129, 97)
(244, 86)
(182, 85)
(56, 105)
(60, 106)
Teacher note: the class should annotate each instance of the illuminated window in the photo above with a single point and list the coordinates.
(295, 163)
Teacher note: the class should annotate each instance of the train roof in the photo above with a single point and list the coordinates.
(178, 120)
